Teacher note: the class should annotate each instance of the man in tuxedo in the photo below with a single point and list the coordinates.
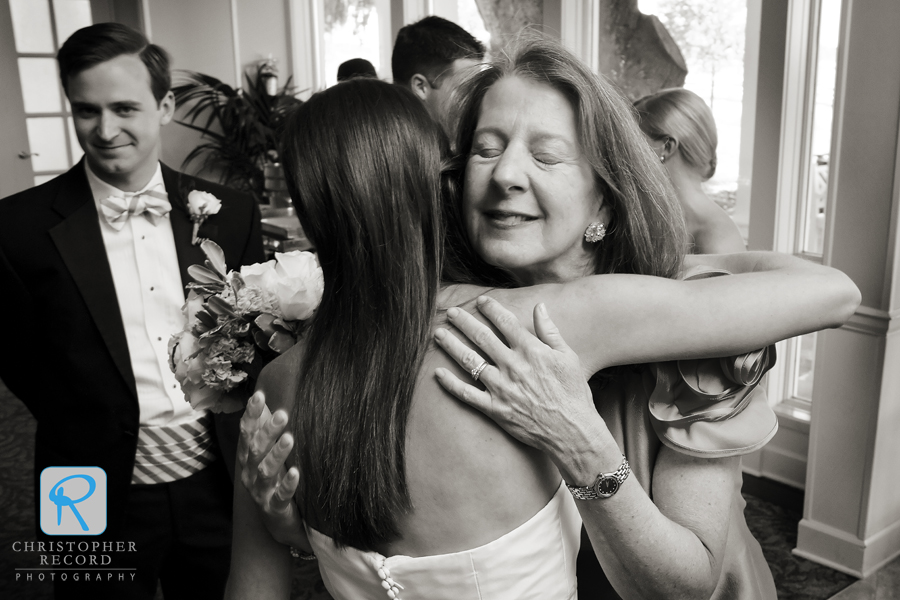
(93, 265)
(431, 57)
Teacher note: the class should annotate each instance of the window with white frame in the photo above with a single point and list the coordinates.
(811, 72)
(711, 36)
(39, 28)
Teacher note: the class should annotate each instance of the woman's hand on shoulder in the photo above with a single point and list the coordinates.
(263, 450)
(536, 387)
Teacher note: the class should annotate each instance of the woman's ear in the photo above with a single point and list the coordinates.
(604, 211)
(668, 149)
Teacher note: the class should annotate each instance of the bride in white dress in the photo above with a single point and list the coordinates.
(406, 492)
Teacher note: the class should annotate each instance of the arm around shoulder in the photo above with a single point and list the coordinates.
(631, 319)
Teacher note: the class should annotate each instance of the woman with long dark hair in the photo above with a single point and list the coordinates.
(403, 490)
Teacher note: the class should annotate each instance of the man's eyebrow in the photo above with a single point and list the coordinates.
(114, 105)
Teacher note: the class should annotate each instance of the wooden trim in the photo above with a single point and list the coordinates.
(145, 17)
(306, 27)
(236, 46)
(580, 30)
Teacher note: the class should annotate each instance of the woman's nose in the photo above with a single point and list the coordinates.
(510, 172)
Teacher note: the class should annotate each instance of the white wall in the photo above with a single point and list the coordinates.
(220, 38)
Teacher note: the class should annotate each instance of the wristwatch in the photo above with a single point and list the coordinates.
(607, 484)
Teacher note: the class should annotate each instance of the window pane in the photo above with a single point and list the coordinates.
(40, 85)
(40, 179)
(470, 20)
(47, 140)
(711, 37)
(71, 15)
(823, 111)
(351, 31)
(804, 363)
(31, 25)
(77, 152)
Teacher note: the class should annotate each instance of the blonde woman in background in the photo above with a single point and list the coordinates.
(682, 132)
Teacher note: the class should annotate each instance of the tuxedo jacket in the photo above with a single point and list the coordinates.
(64, 352)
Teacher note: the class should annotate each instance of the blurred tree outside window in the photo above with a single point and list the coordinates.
(352, 31)
(469, 18)
(711, 35)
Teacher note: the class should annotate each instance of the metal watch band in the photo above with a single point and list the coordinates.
(606, 485)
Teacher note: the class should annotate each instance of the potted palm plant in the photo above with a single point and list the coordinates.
(241, 127)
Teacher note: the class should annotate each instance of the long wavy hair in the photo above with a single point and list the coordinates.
(646, 234)
(362, 162)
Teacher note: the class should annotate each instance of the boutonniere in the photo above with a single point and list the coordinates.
(200, 206)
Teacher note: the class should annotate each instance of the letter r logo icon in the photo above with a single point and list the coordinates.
(73, 501)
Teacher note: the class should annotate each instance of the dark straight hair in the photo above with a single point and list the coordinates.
(428, 47)
(362, 162)
(95, 44)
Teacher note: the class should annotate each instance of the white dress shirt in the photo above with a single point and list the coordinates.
(147, 279)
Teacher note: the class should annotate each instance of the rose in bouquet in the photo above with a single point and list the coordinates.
(239, 321)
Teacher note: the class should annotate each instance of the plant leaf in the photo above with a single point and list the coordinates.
(204, 276)
(215, 256)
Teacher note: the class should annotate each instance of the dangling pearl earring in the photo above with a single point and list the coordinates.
(662, 158)
(595, 232)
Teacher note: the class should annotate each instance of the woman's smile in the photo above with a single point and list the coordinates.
(502, 219)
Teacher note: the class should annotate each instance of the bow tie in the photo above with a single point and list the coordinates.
(153, 204)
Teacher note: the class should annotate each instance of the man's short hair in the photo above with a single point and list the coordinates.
(355, 67)
(429, 47)
(95, 44)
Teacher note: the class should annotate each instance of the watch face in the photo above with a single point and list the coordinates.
(607, 486)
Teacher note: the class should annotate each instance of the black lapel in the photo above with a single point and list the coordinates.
(178, 186)
(80, 244)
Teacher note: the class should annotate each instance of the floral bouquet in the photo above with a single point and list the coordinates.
(239, 321)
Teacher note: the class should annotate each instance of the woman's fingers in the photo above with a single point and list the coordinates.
(469, 394)
(465, 357)
(506, 322)
(283, 498)
(249, 425)
(265, 437)
(273, 463)
(478, 333)
(547, 331)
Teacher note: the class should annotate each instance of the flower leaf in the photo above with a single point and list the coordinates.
(221, 307)
(264, 321)
(215, 256)
(204, 275)
(281, 342)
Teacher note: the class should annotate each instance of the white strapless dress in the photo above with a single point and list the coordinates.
(535, 560)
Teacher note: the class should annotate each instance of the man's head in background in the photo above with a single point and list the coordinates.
(118, 84)
(429, 57)
(355, 67)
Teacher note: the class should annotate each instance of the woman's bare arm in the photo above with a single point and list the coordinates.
(260, 566)
(629, 319)
(263, 450)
